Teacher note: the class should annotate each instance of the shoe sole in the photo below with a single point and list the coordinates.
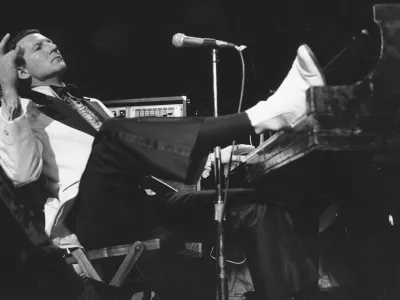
(310, 55)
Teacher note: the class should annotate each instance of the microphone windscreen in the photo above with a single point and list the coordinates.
(177, 39)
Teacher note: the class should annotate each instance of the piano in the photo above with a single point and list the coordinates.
(361, 117)
(337, 152)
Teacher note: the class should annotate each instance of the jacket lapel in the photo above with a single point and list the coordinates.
(61, 112)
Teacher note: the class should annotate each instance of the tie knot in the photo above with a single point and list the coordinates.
(71, 89)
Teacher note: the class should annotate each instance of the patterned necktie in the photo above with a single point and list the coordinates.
(80, 107)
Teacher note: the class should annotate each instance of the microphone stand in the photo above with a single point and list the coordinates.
(222, 281)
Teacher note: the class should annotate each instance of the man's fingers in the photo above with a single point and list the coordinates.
(13, 54)
(243, 149)
(237, 157)
(3, 44)
(19, 51)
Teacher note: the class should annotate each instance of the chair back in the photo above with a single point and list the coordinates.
(27, 256)
(26, 206)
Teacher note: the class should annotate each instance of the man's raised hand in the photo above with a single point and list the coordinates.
(11, 103)
(8, 66)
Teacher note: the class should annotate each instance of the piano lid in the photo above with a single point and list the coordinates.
(386, 75)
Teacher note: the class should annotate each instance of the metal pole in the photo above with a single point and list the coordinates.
(222, 282)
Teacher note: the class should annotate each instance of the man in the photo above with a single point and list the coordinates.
(97, 165)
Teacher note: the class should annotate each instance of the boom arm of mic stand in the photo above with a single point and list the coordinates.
(222, 282)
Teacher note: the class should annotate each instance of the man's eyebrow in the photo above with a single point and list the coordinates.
(40, 42)
(37, 43)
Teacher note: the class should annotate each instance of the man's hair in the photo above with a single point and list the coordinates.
(24, 85)
(14, 41)
(19, 36)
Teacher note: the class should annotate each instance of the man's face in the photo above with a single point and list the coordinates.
(43, 61)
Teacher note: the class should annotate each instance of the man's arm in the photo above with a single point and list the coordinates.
(20, 149)
(11, 108)
(20, 146)
(9, 80)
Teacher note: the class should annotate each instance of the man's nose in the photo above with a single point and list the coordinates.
(51, 47)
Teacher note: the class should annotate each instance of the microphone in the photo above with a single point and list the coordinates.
(180, 40)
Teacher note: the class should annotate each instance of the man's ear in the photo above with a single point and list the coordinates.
(23, 73)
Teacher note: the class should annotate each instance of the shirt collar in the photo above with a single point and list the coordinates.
(58, 91)
(45, 89)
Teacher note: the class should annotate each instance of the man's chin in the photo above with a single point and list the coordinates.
(55, 73)
(63, 68)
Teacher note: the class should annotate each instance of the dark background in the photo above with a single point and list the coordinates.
(121, 51)
(124, 51)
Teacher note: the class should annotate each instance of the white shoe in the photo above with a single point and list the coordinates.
(288, 104)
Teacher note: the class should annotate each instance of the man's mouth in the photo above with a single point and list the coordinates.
(57, 57)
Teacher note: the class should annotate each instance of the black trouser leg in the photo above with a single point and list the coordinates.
(113, 209)
(278, 263)
(172, 148)
(126, 150)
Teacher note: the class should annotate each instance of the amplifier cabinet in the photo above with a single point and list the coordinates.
(154, 107)
(149, 107)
